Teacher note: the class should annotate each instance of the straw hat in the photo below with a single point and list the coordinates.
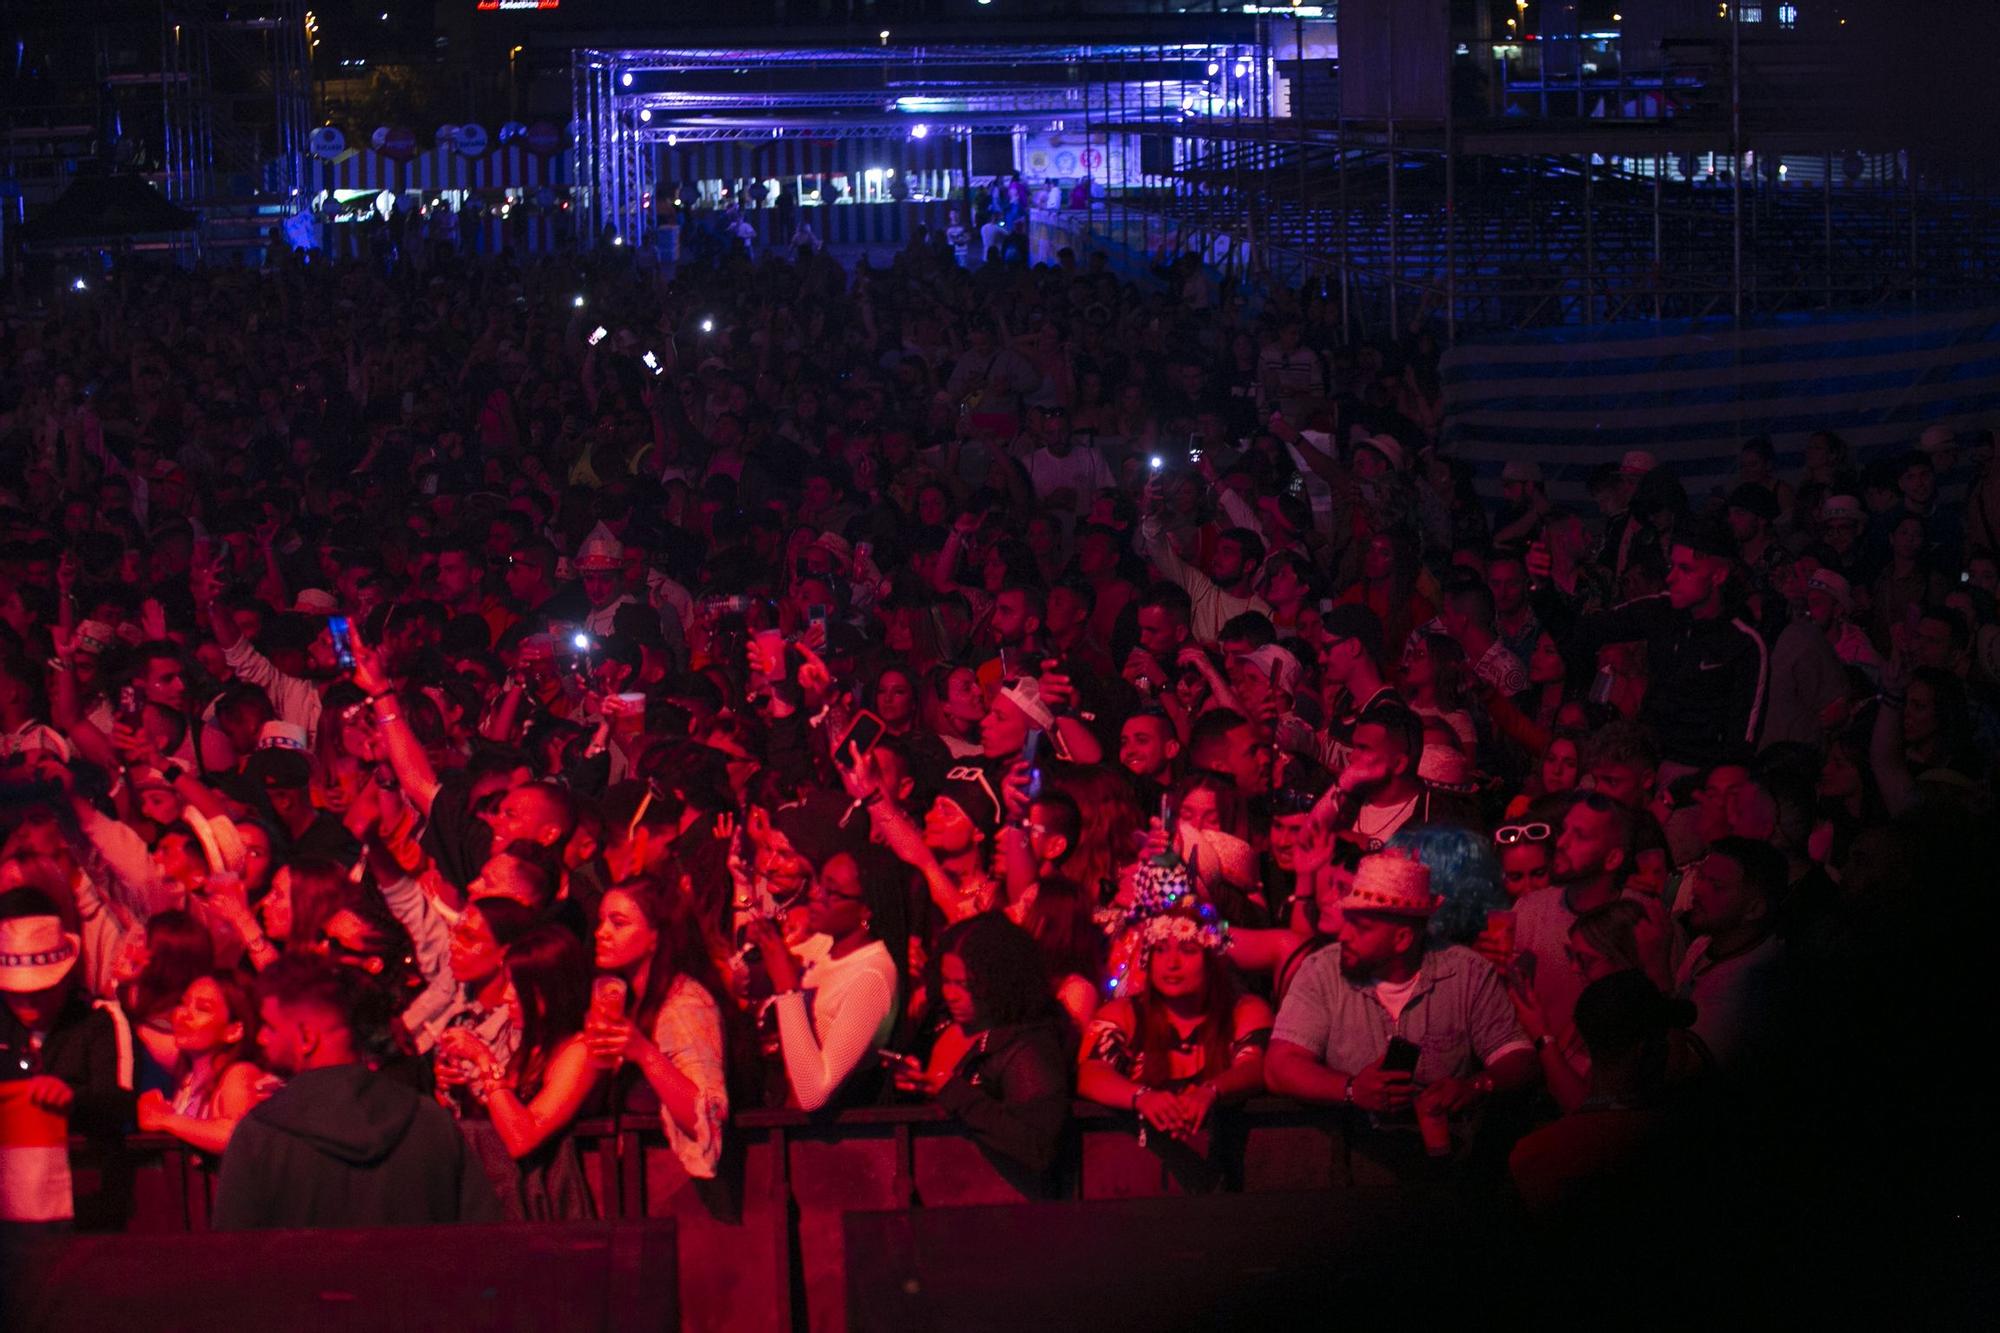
(1394, 883)
(35, 953)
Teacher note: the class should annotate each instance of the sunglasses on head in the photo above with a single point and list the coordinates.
(1509, 834)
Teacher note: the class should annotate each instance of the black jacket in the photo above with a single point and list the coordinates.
(347, 1147)
(1012, 1091)
(1706, 678)
(81, 1049)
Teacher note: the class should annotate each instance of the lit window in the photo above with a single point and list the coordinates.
(1753, 13)
(1788, 16)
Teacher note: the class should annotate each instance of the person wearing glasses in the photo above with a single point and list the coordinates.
(835, 995)
(1594, 856)
(1527, 851)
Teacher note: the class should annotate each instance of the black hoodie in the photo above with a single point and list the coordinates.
(346, 1147)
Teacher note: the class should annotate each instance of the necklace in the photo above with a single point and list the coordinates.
(1393, 820)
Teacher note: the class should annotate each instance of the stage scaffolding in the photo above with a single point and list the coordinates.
(1551, 185)
(629, 105)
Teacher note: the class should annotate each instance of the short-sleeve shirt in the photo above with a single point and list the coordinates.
(1459, 1016)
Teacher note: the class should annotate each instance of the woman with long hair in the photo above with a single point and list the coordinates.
(215, 1081)
(1008, 1079)
(1112, 820)
(1060, 919)
(670, 1030)
(154, 971)
(892, 696)
(1437, 684)
(532, 1098)
(1191, 1040)
(303, 895)
(1388, 587)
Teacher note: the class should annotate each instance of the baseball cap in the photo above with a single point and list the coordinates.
(1274, 662)
(1833, 585)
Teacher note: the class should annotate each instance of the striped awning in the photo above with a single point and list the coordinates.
(505, 168)
(800, 156)
(1691, 394)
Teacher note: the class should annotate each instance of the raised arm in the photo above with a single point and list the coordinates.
(526, 1126)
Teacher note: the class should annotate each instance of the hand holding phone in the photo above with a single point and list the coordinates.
(342, 633)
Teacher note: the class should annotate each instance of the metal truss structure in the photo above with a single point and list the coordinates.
(1722, 179)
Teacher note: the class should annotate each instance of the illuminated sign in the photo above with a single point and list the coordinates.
(489, 6)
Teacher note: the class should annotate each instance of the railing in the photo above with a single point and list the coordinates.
(761, 1247)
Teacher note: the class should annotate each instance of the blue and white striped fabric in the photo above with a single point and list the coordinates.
(1690, 395)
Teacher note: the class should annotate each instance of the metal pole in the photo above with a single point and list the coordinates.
(1346, 258)
(1589, 243)
(1736, 159)
(1450, 212)
(1298, 117)
(1826, 239)
(1910, 170)
(1395, 265)
(1659, 261)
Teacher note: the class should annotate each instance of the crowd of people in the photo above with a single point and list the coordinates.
(439, 706)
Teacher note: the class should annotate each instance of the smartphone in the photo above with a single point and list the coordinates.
(819, 613)
(652, 362)
(1031, 753)
(131, 706)
(597, 335)
(607, 996)
(343, 641)
(1156, 462)
(1401, 1057)
(862, 733)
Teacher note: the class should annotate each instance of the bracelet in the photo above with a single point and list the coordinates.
(386, 718)
(1138, 1091)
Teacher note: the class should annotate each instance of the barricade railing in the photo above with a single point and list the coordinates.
(761, 1245)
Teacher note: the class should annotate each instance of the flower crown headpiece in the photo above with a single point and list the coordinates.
(1202, 926)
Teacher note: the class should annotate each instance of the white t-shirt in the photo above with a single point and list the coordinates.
(1082, 471)
(1394, 996)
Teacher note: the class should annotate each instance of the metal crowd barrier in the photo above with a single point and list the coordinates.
(761, 1246)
